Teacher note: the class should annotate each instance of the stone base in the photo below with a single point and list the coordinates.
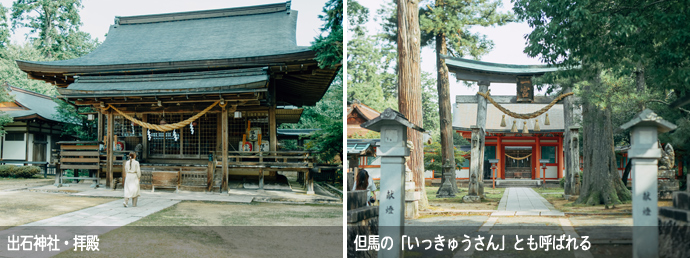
(446, 190)
(471, 198)
(411, 209)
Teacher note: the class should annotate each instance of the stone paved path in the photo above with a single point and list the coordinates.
(523, 201)
(95, 220)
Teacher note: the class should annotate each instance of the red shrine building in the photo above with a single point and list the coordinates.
(524, 138)
(518, 153)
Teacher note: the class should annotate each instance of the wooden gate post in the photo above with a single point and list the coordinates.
(224, 147)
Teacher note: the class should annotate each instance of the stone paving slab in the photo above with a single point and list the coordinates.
(526, 213)
(523, 199)
(553, 213)
(233, 195)
(96, 220)
(503, 213)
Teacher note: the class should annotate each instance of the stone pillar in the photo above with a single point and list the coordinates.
(481, 122)
(411, 195)
(475, 169)
(644, 154)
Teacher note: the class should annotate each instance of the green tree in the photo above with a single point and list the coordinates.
(371, 61)
(607, 41)
(55, 23)
(329, 48)
(327, 114)
(76, 125)
(10, 72)
(446, 27)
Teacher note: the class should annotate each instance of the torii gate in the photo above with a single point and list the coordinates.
(484, 73)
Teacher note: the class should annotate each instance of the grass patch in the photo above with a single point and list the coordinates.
(548, 190)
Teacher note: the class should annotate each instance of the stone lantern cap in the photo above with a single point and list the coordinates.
(389, 117)
(648, 118)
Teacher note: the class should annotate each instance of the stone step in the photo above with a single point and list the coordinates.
(674, 213)
(362, 213)
(681, 200)
(356, 199)
(516, 182)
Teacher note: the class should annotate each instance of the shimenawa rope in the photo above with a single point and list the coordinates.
(519, 158)
(167, 127)
(523, 116)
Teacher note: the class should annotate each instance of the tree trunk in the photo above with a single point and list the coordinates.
(568, 121)
(410, 87)
(600, 182)
(46, 32)
(446, 121)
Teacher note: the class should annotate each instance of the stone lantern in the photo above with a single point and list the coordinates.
(393, 149)
(644, 154)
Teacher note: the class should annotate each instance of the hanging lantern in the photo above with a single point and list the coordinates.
(524, 128)
(536, 125)
(547, 122)
(503, 121)
(514, 129)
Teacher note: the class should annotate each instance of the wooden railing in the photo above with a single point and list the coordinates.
(299, 159)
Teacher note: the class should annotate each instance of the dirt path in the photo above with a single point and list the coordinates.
(199, 229)
(21, 207)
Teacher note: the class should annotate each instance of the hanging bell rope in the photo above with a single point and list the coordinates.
(166, 127)
(523, 116)
(514, 158)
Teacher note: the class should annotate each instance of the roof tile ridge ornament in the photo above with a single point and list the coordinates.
(205, 14)
(389, 114)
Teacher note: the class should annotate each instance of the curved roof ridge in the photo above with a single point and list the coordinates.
(203, 14)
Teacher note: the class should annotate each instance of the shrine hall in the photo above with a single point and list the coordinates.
(522, 134)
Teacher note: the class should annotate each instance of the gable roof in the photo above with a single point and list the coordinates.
(364, 111)
(240, 36)
(195, 46)
(34, 105)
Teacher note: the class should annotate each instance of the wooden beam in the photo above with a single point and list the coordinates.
(109, 150)
(224, 147)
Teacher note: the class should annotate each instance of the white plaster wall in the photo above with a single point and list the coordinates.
(30, 139)
(551, 171)
(462, 173)
(15, 150)
(429, 174)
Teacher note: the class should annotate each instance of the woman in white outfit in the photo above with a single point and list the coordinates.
(133, 171)
(365, 182)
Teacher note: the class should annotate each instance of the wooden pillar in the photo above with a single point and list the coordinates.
(100, 126)
(261, 178)
(272, 127)
(559, 158)
(210, 173)
(144, 140)
(310, 182)
(499, 155)
(224, 147)
(109, 150)
(536, 156)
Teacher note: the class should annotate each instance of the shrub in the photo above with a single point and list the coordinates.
(7, 170)
(26, 171)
